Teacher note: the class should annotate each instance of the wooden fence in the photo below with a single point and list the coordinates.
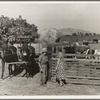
(79, 69)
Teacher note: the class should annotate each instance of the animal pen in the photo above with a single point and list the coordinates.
(79, 69)
(83, 71)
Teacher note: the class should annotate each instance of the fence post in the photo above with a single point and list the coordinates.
(49, 62)
(49, 75)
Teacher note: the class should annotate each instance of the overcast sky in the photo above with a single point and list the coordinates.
(56, 15)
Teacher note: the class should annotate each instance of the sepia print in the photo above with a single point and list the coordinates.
(49, 48)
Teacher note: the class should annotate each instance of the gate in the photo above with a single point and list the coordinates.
(79, 69)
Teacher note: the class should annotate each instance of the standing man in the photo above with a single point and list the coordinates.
(43, 60)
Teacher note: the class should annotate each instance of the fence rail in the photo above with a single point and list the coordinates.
(77, 55)
(85, 71)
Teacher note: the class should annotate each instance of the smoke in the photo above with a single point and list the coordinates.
(48, 36)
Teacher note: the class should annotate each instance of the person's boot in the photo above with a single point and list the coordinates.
(66, 81)
(41, 83)
(61, 83)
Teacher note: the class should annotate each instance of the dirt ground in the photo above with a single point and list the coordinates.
(22, 86)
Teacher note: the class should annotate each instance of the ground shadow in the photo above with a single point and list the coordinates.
(18, 70)
(31, 69)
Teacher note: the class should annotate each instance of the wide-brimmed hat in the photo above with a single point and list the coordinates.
(44, 50)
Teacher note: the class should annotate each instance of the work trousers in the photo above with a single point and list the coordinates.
(43, 74)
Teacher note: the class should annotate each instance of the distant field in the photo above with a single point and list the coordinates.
(79, 38)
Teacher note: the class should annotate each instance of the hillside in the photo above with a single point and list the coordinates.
(70, 31)
(66, 34)
(64, 31)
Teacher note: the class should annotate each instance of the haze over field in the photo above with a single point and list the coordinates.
(77, 15)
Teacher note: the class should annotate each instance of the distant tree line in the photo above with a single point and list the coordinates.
(83, 34)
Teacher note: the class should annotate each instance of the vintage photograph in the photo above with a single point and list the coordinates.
(49, 48)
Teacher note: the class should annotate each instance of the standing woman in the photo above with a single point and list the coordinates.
(60, 71)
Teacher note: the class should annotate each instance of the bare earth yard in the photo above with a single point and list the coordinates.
(22, 86)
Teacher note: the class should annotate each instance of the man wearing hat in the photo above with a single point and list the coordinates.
(43, 60)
